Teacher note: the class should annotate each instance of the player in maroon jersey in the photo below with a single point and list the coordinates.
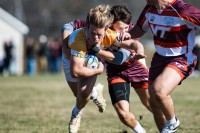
(173, 25)
(121, 76)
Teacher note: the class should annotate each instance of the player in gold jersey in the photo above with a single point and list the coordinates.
(93, 39)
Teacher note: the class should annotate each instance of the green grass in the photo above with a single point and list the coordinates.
(43, 104)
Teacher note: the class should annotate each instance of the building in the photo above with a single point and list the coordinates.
(12, 29)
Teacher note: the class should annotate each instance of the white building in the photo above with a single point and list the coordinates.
(12, 29)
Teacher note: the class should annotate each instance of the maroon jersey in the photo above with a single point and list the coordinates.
(79, 24)
(173, 27)
(134, 72)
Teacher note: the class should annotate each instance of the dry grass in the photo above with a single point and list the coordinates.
(43, 104)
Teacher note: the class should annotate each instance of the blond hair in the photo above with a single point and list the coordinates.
(100, 16)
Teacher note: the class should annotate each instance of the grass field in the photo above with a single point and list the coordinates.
(43, 104)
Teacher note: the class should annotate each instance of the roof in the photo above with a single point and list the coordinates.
(17, 24)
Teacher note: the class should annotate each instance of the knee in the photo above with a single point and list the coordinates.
(157, 94)
(159, 97)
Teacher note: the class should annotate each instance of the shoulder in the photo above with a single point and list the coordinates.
(146, 10)
(77, 40)
(109, 38)
(68, 27)
(74, 25)
(185, 8)
(187, 11)
(79, 24)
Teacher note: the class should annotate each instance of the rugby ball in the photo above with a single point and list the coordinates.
(91, 61)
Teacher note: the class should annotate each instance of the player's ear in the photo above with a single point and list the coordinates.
(105, 30)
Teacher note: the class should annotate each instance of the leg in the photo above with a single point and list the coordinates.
(160, 92)
(96, 96)
(73, 86)
(97, 92)
(84, 90)
(119, 93)
(144, 97)
(85, 87)
(72, 82)
(157, 112)
(123, 111)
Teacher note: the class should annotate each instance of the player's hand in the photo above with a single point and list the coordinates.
(123, 36)
(100, 67)
(137, 56)
(93, 50)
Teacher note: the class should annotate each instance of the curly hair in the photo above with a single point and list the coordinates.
(100, 16)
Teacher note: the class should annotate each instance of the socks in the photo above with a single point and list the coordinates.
(173, 120)
(138, 128)
(75, 111)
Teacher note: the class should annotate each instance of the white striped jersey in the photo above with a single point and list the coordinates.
(173, 28)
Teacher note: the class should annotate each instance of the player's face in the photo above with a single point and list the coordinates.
(95, 34)
(120, 26)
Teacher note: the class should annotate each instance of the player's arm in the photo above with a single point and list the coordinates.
(136, 32)
(78, 69)
(65, 48)
(122, 55)
(191, 14)
(142, 25)
(106, 55)
(133, 44)
(101, 53)
(129, 50)
(69, 27)
(65, 34)
(66, 31)
(136, 46)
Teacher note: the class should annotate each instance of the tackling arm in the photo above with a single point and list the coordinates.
(136, 32)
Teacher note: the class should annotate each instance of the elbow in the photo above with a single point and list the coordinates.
(121, 56)
(75, 74)
(118, 58)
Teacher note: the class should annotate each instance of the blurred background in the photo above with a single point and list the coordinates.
(30, 46)
(30, 40)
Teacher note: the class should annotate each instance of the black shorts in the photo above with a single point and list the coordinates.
(119, 91)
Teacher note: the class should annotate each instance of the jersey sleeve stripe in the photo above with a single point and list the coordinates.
(193, 20)
(170, 45)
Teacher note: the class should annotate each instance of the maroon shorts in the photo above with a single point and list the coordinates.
(135, 73)
(182, 64)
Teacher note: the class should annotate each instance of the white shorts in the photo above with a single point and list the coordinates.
(66, 68)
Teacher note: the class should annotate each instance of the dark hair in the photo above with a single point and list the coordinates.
(121, 13)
